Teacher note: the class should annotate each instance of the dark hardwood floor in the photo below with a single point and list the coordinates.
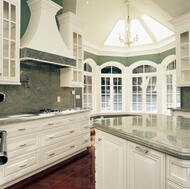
(76, 173)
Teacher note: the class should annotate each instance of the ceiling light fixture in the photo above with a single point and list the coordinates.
(129, 39)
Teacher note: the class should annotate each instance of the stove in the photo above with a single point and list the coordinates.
(55, 111)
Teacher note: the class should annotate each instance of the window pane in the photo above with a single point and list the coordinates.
(138, 69)
(116, 70)
(87, 67)
(106, 70)
(149, 69)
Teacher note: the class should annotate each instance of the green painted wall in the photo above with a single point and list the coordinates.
(127, 61)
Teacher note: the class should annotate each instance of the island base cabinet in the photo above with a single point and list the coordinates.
(146, 168)
(110, 166)
(178, 171)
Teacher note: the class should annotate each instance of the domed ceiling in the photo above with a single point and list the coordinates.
(104, 21)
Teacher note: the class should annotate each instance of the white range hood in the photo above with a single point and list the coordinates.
(42, 40)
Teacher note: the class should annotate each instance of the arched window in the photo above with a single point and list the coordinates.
(144, 88)
(172, 93)
(87, 92)
(111, 88)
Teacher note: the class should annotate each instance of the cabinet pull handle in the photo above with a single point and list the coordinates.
(51, 154)
(86, 141)
(86, 127)
(22, 166)
(72, 146)
(144, 151)
(23, 129)
(71, 131)
(22, 145)
(50, 123)
(99, 139)
(71, 119)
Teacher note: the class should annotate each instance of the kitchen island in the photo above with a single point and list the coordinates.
(142, 152)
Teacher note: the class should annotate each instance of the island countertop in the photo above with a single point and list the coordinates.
(167, 134)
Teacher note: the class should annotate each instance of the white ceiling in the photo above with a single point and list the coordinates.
(100, 17)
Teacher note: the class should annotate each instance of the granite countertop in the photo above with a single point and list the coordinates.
(12, 119)
(167, 134)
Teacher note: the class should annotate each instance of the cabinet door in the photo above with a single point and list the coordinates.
(59, 151)
(183, 58)
(113, 162)
(21, 165)
(146, 168)
(9, 41)
(83, 141)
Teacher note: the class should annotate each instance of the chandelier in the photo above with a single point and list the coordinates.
(129, 39)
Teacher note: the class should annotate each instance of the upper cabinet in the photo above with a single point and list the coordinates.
(10, 42)
(182, 27)
(71, 29)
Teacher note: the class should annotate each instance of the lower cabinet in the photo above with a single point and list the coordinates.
(36, 145)
(20, 166)
(177, 173)
(121, 164)
(58, 151)
(110, 162)
(146, 168)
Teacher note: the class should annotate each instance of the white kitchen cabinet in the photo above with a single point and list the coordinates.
(21, 165)
(9, 42)
(178, 172)
(71, 29)
(123, 164)
(56, 135)
(36, 145)
(58, 151)
(17, 146)
(182, 27)
(146, 168)
(110, 162)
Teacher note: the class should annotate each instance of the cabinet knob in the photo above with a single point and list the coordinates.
(99, 139)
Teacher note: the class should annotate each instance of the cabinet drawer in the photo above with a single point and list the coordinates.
(84, 141)
(21, 166)
(84, 127)
(58, 151)
(21, 145)
(178, 171)
(58, 135)
(21, 129)
(52, 123)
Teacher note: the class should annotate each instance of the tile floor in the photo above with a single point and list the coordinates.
(76, 173)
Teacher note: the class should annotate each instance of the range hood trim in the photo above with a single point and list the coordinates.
(40, 56)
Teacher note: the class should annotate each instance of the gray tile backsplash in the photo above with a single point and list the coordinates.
(39, 90)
